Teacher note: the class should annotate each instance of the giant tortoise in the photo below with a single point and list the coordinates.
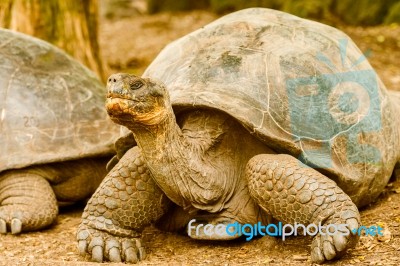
(56, 137)
(257, 115)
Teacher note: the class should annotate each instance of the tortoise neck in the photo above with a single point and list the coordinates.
(178, 162)
(163, 148)
(154, 140)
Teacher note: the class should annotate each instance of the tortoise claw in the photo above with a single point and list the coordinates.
(97, 254)
(82, 247)
(16, 226)
(114, 255)
(113, 247)
(3, 227)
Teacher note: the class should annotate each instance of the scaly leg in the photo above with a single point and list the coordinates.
(293, 192)
(27, 202)
(125, 203)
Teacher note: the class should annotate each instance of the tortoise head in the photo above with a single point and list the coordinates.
(132, 100)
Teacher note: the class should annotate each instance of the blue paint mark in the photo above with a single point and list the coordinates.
(307, 110)
(343, 50)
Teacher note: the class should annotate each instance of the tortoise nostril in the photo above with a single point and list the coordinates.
(115, 80)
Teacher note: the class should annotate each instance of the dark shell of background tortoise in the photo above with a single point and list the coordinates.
(302, 87)
(51, 106)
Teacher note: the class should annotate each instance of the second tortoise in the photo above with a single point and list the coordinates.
(56, 137)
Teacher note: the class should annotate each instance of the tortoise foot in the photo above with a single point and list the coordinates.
(332, 245)
(103, 246)
(27, 203)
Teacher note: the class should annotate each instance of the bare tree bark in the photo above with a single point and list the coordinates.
(70, 25)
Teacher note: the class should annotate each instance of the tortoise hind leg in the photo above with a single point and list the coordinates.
(27, 202)
(294, 193)
(76, 180)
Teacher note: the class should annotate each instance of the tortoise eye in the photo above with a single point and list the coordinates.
(136, 85)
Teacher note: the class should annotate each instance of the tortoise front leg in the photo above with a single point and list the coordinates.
(293, 192)
(27, 202)
(125, 203)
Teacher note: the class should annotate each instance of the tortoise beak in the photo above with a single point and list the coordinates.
(115, 86)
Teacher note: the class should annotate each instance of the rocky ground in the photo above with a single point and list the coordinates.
(130, 44)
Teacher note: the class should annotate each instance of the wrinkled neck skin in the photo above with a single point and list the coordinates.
(181, 163)
(153, 139)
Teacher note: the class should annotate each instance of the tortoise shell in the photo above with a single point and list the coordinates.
(51, 106)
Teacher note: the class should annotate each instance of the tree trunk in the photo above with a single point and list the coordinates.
(70, 25)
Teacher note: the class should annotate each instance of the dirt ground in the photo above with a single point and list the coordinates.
(130, 45)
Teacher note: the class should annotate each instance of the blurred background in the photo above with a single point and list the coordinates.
(125, 35)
